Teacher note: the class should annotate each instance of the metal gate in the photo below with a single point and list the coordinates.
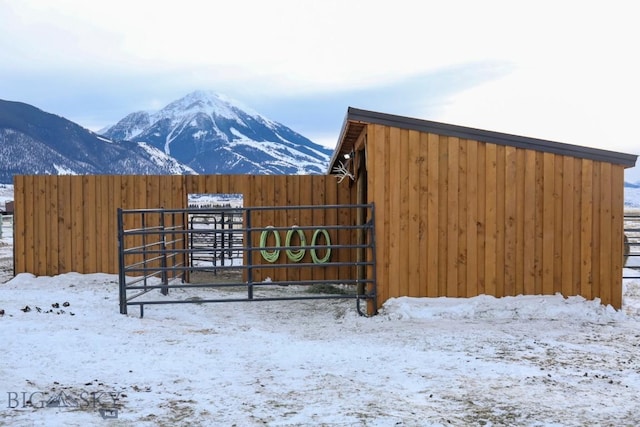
(222, 254)
(631, 246)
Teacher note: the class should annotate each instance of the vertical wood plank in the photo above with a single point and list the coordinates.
(385, 174)
(235, 184)
(539, 233)
(377, 153)
(40, 223)
(567, 219)
(520, 190)
(114, 202)
(617, 231)
(433, 218)
(306, 217)
(596, 233)
(423, 214)
(210, 184)
(500, 220)
(530, 191)
(491, 225)
(510, 221)
(577, 224)
(405, 239)
(394, 223)
(472, 219)
(279, 219)
(153, 192)
(452, 227)
(225, 184)
(52, 230)
(331, 218)
(481, 212)
(66, 225)
(77, 216)
(414, 239)
(19, 224)
(139, 200)
(251, 237)
(345, 189)
(461, 263)
(89, 213)
(268, 189)
(293, 216)
(318, 198)
(548, 225)
(557, 222)
(258, 220)
(139, 187)
(443, 213)
(606, 247)
(106, 240)
(586, 229)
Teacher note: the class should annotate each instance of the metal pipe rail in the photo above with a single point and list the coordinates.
(155, 256)
(632, 246)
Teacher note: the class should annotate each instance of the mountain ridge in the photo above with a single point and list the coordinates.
(34, 142)
(212, 133)
(202, 132)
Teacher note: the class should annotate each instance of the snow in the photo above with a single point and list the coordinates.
(61, 170)
(204, 101)
(162, 159)
(102, 138)
(217, 120)
(283, 156)
(73, 360)
(200, 134)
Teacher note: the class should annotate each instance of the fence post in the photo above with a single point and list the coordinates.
(122, 281)
(165, 280)
(249, 256)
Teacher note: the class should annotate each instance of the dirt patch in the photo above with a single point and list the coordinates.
(220, 276)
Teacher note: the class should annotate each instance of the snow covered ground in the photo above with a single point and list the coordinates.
(71, 359)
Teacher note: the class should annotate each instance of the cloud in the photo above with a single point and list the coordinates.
(103, 97)
(291, 46)
(420, 95)
(556, 70)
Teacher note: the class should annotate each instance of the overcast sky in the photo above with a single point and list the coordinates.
(560, 70)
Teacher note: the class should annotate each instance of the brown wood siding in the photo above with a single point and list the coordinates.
(69, 223)
(491, 219)
(454, 217)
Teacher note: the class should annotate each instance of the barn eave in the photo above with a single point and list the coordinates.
(357, 119)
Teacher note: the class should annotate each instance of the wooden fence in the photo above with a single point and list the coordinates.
(68, 223)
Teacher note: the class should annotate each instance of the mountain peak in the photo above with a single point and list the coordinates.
(210, 103)
(213, 133)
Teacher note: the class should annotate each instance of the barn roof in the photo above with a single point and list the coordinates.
(357, 119)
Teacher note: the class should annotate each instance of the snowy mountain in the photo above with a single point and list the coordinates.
(34, 142)
(213, 134)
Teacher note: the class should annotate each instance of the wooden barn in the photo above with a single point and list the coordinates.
(462, 212)
(459, 212)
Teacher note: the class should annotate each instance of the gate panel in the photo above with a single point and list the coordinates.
(158, 252)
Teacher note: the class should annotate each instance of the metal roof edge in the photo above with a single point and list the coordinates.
(355, 114)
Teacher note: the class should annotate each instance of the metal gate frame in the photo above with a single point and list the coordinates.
(632, 233)
(159, 257)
